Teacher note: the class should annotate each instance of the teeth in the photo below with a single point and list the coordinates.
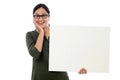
(41, 22)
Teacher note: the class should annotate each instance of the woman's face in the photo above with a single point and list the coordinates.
(41, 17)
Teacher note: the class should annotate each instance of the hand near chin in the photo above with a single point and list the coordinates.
(47, 31)
(38, 27)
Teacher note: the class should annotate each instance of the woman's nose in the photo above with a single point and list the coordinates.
(40, 18)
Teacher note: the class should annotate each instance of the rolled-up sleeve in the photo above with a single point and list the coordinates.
(31, 46)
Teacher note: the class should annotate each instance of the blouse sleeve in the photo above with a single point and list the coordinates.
(31, 46)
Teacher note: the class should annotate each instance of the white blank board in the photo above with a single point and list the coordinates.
(75, 47)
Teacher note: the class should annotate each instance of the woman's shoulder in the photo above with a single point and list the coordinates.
(32, 32)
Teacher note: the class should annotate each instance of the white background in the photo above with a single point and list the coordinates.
(16, 20)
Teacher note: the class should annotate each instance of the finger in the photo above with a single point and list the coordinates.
(83, 71)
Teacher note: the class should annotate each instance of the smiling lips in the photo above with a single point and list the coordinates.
(41, 23)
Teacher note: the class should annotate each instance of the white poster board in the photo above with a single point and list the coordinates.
(75, 47)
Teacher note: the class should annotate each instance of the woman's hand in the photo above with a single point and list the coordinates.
(83, 71)
(38, 27)
(47, 31)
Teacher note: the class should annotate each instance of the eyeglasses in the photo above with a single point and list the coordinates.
(43, 16)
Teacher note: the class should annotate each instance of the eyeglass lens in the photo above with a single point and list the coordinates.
(43, 16)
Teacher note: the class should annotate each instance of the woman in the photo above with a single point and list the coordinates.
(38, 46)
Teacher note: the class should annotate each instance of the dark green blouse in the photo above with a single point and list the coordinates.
(40, 60)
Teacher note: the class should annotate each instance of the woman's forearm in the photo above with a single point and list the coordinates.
(39, 42)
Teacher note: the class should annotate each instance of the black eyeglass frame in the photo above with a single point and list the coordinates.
(43, 16)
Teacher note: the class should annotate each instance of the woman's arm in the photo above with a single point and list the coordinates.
(39, 42)
(31, 46)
